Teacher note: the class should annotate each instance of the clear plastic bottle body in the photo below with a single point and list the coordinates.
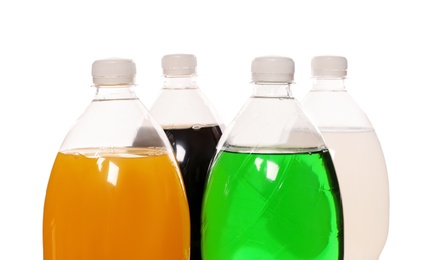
(181, 104)
(359, 163)
(193, 128)
(115, 190)
(272, 191)
(115, 118)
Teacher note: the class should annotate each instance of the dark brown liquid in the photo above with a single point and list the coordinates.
(194, 149)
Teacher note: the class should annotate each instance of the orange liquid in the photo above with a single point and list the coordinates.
(126, 204)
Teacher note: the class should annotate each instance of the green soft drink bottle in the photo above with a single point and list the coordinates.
(272, 191)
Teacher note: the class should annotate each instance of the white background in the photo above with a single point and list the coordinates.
(47, 48)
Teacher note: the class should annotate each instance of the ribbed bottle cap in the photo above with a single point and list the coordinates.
(272, 69)
(329, 66)
(113, 71)
(179, 64)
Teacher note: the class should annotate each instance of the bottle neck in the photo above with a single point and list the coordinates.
(271, 89)
(115, 92)
(322, 84)
(180, 82)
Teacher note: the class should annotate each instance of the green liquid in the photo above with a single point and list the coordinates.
(272, 206)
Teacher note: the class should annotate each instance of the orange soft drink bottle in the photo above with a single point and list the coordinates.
(115, 190)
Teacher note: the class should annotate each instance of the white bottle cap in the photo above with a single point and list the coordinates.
(329, 67)
(114, 71)
(272, 69)
(179, 64)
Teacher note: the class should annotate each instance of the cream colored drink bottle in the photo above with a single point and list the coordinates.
(357, 155)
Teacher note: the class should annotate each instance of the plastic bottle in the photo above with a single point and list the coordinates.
(357, 156)
(272, 191)
(115, 190)
(193, 127)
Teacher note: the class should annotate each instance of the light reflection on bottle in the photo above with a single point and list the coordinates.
(181, 153)
(113, 173)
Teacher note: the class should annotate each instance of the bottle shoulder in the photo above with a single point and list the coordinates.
(182, 108)
(335, 109)
(272, 123)
(115, 123)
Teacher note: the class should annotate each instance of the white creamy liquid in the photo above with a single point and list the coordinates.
(363, 180)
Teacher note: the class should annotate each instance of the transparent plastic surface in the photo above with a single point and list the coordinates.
(115, 118)
(193, 128)
(272, 120)
(272, 191)
(115, 190)
(359, 163)
(182, 104)
(330, 106)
